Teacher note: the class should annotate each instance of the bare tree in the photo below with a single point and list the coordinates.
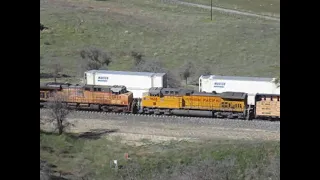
(186, 71)
(206, 70)
(154, 65)
(199, 70)
(277, 81)
(56, 69)
(58, 112)
(138, 57)
(94, 58)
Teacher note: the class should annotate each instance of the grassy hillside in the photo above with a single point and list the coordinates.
(229, 45)
(263, 7)
(76, 157)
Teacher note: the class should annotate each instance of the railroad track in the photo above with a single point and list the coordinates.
(163, 117)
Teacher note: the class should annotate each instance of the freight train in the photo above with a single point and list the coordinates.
(166, 101)
(140, 82)
(250, 85)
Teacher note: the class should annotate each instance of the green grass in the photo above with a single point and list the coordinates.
(263, 7)
(229, 45)
(93, 156)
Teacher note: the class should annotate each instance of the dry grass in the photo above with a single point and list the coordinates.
(82, 157)
(230, 45)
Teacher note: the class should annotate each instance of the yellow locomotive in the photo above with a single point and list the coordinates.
(169, 100)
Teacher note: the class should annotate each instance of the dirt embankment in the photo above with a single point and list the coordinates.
(135, 131)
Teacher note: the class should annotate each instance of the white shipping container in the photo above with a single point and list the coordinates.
(132, 80)
(250, 85)
(158, 80)
(138, 93)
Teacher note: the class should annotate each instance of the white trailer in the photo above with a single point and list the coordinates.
(250, 85)
(137, 82)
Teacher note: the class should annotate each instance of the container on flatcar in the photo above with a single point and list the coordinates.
(137, 82)
(249, 85)
(267, 106)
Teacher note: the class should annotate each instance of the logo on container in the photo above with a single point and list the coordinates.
(219, 84)
(102, 79)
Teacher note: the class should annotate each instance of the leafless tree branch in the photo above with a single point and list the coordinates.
(94, 58)
(186, 71)
(56, 69)
(58, 112)
(154, 65)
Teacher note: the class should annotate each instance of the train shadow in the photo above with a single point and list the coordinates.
(92, 134)
(52, 177)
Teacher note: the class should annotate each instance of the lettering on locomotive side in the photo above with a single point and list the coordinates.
(202, 99)
(211, 100)
(153, 98)
(193, 99)
(116, 97)
(112, 97)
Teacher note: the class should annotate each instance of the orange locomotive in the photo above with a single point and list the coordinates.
(105, 98)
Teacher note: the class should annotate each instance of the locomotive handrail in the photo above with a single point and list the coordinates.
(48, 87)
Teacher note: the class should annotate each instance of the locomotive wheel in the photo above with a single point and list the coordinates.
(105, 108)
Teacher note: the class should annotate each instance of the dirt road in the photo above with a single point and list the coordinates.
(135, 131)
(230, 11)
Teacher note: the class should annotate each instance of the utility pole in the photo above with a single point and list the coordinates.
(211, 10)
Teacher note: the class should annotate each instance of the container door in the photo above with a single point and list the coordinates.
(89, 78)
